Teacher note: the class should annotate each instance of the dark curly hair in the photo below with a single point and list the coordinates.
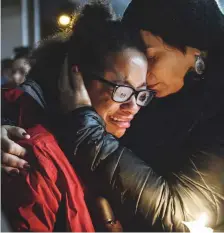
(95, 36)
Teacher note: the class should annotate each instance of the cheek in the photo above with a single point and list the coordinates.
(176, 79)
(168, 72)
(178, 85)
(169, 76)
(107, 108)
(170, 86)
(104, 105)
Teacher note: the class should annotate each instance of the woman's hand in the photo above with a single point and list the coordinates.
(73, 93)
(12, 154)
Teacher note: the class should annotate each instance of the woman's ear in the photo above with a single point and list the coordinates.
(193, 51)
(197, 52)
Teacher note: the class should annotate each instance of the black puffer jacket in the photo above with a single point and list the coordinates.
(173, 179)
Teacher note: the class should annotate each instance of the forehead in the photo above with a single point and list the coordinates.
(150, 40)
(130, 67)
(20, 61)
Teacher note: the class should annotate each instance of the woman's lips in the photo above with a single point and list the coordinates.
(121, 122)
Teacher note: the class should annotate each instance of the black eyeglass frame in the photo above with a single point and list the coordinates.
(116, 86)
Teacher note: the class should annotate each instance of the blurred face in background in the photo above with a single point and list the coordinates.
(20, 68)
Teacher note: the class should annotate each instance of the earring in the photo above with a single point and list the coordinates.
(199, 65)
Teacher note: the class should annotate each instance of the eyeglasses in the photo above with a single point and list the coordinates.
(123, 93)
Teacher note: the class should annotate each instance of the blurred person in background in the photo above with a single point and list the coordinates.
(21, 66)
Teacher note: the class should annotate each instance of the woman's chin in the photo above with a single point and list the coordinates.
(116, 132)
(161, 94)
(119, 134)
(164, 93)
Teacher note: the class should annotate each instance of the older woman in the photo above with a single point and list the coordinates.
(180, 137)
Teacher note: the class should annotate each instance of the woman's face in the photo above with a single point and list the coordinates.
(167, 66)
(129, 68)
(20, 69)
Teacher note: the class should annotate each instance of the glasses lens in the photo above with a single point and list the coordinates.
(122, 94)
(144, 97)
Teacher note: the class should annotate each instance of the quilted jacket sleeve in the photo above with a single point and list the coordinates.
(161, 202)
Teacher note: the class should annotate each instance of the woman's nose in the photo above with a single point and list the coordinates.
(131, 105)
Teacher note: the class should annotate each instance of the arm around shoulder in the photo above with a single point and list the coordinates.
(159, 201)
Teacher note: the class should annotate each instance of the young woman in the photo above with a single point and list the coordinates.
(49, 196)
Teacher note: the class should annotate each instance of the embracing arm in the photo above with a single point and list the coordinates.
(159, 201)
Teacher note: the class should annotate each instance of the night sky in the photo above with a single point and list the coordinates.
(50, 9)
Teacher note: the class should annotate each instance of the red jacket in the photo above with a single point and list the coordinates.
(48, 196)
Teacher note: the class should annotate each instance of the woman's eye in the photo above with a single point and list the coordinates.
(152, 58)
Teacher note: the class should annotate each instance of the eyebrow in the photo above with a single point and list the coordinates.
(124, 80)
